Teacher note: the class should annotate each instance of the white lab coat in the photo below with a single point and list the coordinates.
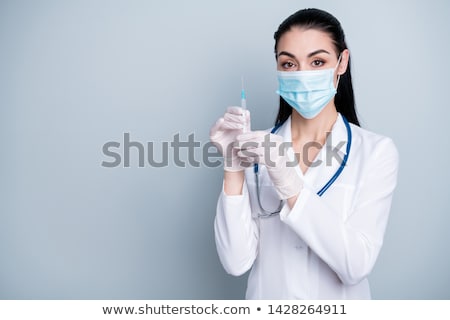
(324, 247)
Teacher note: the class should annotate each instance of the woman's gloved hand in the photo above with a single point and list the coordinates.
(270, 150)
(224, 132)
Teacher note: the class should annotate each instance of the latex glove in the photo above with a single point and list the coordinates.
(224, 132)
(270, 150)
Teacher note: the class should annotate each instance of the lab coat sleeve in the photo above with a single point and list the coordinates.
(236, 233)
(349, 243)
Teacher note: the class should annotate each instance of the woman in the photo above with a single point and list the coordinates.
(310, 223)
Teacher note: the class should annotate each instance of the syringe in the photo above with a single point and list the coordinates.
(243, 104)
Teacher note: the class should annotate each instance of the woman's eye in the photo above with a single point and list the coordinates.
(287, 65)
(317, 63)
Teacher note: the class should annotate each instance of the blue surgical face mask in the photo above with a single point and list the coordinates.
(308, 91)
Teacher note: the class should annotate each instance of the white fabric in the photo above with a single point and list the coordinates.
(324, 247)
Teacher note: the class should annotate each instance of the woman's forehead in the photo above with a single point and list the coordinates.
(303, 41)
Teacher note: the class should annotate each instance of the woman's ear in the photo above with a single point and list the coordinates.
(345, 55)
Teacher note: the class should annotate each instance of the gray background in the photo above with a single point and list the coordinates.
(77, 74)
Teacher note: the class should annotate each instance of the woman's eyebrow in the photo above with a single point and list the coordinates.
(290, 55)
(317, 52)
(285, 53)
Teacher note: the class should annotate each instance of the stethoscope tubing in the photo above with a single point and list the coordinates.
(330, 182)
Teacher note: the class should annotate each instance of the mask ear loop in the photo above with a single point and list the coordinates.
(339, 76)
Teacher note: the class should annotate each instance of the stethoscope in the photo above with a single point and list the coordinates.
(267, 213)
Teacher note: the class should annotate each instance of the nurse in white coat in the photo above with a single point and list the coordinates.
(310, 224)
